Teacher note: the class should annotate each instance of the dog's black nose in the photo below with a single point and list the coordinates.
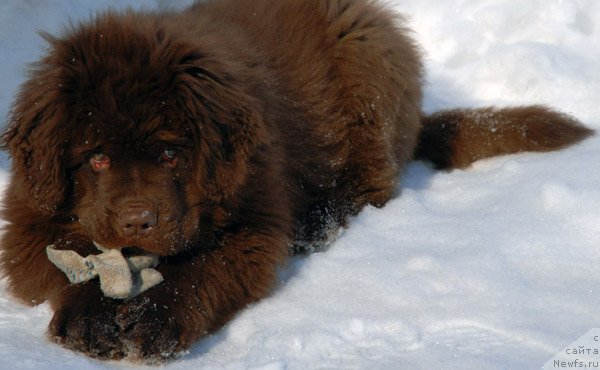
(137, 221)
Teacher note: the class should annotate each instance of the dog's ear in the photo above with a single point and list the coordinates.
(230, 127)
(35, 140)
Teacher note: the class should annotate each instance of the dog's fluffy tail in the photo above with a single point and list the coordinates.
(457, 138)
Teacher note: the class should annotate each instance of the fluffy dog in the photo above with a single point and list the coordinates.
(221, 139)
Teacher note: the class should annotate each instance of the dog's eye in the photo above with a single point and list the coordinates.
(99, 162)
(169, 157)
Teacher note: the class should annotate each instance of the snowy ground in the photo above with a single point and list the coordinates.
(495, 267)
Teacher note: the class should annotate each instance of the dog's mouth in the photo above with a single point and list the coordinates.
(129, 248)
(131, 251)
(126, 251)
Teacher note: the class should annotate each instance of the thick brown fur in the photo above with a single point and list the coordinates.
(457, 138)
(219, 138)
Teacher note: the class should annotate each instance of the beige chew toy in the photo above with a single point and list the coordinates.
(120, 277)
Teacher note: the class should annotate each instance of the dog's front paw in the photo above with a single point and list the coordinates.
(85, 321)
(153, 331)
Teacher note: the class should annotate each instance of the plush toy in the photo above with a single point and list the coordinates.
(120, 277)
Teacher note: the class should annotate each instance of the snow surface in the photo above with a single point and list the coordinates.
(494, 267)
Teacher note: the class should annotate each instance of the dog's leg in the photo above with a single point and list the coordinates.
(377, 82)
(32, 278)
(84, 319)
(200, 293)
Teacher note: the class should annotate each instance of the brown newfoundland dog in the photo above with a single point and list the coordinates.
(222, 139)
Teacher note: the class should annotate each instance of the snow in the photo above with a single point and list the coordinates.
(493, 267)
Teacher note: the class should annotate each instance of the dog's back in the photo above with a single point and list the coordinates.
(349, 80)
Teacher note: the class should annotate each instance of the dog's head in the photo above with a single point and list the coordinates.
(133, 131)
